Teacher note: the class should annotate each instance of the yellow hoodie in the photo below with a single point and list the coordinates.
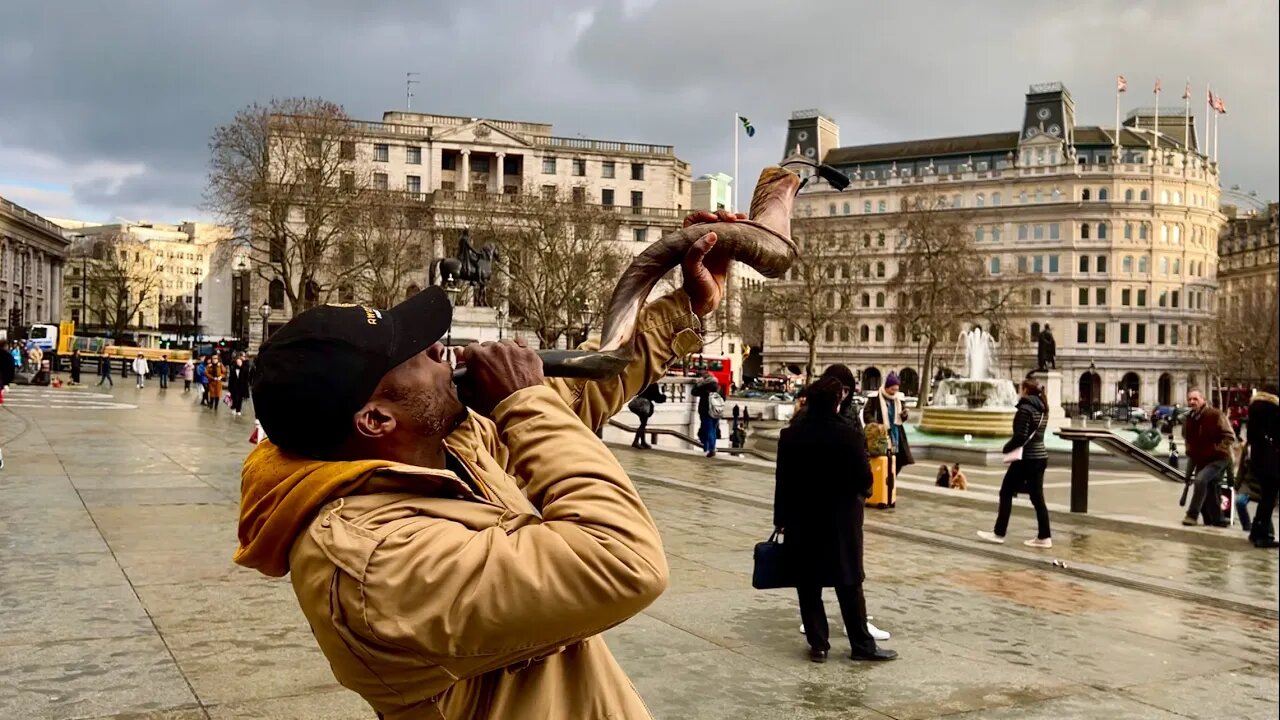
(434, 600)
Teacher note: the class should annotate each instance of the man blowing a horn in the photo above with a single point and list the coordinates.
(459, 557)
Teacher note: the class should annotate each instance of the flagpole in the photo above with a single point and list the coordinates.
(1155, 137)
(1117, 148)
(736, 120)
(1208, 111)
(1186, 119)
(1217, 121)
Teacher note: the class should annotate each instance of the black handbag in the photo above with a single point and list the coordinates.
(770, 566)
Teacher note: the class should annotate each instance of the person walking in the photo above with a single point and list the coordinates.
(8, 369)
(821, 478)
(75, 366)
(202, 377)
(643, 407)
(140, 369)
(104, 371)
(217, 375)
(710, 410)
(238, 384)
(1209, 440)
(1262, 434)
(162, 370)
(188, 374)
(888, 409)
(1027, 459)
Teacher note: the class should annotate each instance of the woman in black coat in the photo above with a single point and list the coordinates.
(238, 384)
(1027, 474)
(822, 478)
(1263, 435)
(643, 407)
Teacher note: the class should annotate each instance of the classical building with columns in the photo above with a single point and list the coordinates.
(440, 163)
(32, 253)
(1117, 233)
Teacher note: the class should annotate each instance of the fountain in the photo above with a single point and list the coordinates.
(975, 404)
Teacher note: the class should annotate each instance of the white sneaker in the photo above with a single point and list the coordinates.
(877, 633)
(990, 537)
(1039, 543)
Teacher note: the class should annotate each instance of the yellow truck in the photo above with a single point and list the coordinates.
(63, 337)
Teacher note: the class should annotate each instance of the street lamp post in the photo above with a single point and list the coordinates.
(587, 315)
(502, 322)
(454, 290)
(265, 313)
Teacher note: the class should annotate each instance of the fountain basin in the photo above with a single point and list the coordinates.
(980, 407)
(979, 422)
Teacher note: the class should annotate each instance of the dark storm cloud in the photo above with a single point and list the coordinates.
(116, 100)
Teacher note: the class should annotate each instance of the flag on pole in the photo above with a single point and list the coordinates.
(1210, 97)
(746, 125)
(1220, 105)
(1186, 94)
(1121, 83)
(1157, 90)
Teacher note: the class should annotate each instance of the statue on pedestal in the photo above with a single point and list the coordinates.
(471, 266)
(1046, 351)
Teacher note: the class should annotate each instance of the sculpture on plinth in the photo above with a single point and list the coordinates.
(1046, 351)
(471, 266)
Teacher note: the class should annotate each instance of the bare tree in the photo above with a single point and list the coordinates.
(283, 176)
(1241, 341)
(559, 258)
(943, 280)
(388, 243)
(818, 290)
(120, 281)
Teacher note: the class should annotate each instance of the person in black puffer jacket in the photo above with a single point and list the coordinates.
(1263, 435)
(1026, 474)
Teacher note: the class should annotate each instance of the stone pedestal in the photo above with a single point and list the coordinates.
(1051, 382)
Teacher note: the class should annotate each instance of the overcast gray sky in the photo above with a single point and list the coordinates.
(106, 107)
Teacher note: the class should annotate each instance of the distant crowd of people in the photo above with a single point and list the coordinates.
(219, 381)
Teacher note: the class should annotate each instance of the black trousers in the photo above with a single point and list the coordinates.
(1262, 530)
(1023, 475)
(853, 610)
(237, 400)
(639, 440)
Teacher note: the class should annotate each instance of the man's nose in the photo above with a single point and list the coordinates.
(437, 352)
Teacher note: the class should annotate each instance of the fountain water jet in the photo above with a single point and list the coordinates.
(976, 404)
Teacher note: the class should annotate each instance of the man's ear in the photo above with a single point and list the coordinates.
(374, 420)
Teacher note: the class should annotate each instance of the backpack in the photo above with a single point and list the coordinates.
(715, 405)
(643, 407)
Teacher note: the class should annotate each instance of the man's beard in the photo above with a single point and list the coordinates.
(432, 412)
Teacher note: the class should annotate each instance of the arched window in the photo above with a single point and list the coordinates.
(979, 233)
(831, 209)
(1142, 264)
(1102, 194)
(1084, 231)
(1035, 331)
(980, 200)
(957, 201)
(1177, 234)
(879, 333)
(1144, 196)
(844, 333)
(1164, 233)
(844, 271)
(1127, 264)
(275, 295)
(1164, 197)
(1177, 197)
(1102, 231)
(866, 239)
(1022, 197)
(866, 299)
(846, 208)
(1128, 195)
(995, 198)
(1084, 194)
(879, 269)
(864, 333)
(1035, 299)
(880, 240)
(830, 334)
(1128, 231)
(1057, 195)
(1142, 231)
(879, 299)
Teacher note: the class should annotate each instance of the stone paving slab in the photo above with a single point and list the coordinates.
(120, 602)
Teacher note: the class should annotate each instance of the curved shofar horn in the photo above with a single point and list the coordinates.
(763, 242)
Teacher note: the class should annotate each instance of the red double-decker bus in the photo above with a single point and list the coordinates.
(719, 367)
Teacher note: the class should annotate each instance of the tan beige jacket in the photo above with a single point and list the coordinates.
(434, 601)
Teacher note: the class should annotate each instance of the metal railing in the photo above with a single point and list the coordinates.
(608, 146)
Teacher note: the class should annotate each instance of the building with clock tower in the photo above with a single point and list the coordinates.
(1116, 234)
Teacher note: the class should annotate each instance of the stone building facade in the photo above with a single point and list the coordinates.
(1119, 236)
(1248, 265)
(440, 163)
(32, 254)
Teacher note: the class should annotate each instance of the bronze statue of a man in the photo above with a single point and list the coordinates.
(1046, 351)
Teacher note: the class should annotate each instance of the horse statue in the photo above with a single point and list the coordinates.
(471, 266)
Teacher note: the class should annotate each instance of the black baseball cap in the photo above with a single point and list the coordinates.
(314, 373)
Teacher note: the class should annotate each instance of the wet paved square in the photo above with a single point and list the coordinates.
(120, 601)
